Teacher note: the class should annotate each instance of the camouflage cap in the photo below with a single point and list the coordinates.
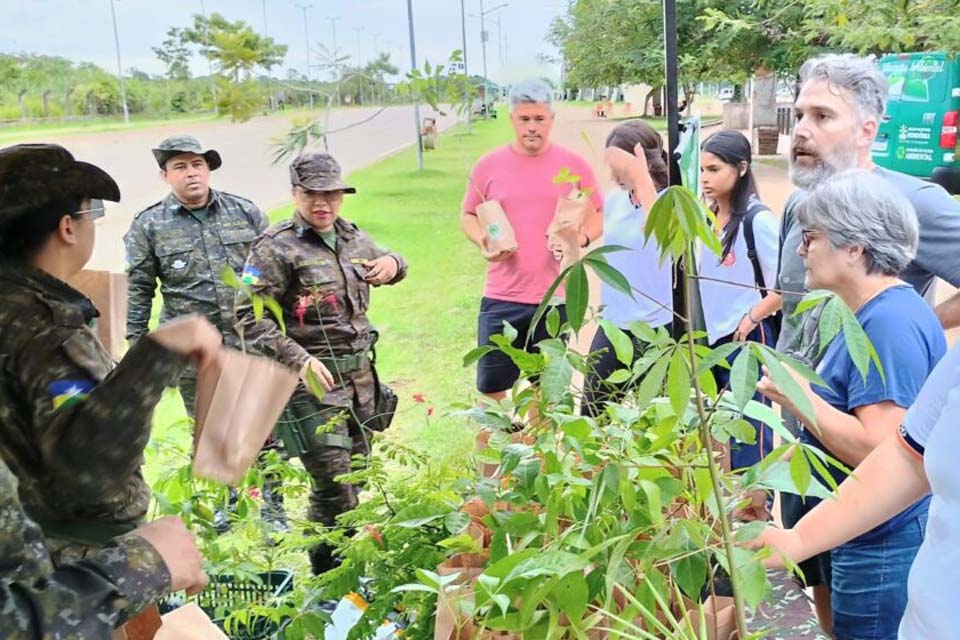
(318, 172)
(175, 145)
(33, 176)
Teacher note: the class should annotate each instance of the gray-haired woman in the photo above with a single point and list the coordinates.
(858, 235)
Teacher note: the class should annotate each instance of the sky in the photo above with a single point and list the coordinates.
(81, 30)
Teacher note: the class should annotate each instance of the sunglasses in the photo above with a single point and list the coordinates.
(96, 210)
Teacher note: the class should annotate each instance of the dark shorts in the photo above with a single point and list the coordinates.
(496, 372)
(816, 570)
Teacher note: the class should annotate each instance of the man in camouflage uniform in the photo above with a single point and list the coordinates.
(73, 426)
(86, 599)
(319, 268)
(186, 241)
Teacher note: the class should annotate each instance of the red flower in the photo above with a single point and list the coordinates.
(418, 397)
(254, 493)
(430, 411)
(331, 299)
(374, 533)
(303, 303)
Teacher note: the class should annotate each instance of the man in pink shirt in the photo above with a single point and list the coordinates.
(520, 177)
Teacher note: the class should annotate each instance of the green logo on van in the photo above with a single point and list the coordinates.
(901, 153)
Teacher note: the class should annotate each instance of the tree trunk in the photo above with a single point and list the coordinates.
(658, 102)
(46, 103)
(23, 108)
(689, 92)
(68, 102)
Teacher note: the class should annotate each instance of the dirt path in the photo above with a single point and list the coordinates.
(246, 169)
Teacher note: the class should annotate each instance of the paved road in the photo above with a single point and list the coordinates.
(246, 166)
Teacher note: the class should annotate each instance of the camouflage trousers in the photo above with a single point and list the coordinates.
(329, 454)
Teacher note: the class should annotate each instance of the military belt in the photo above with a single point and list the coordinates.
(345, 364)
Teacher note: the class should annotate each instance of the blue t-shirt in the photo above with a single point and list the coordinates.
(909, 342)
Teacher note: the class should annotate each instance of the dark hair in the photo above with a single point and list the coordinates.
(629, 134)
(733, 148)
(21, 239)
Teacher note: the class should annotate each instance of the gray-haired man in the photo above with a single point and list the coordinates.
(520, 176)
(839, 108)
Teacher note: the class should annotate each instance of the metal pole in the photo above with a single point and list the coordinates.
(499, 41)
(466, 71)
(416, 101)
(360, 77)
(680, 302)
(269, 79)
(483, 47)
(116, 41)
(336, 65)
(306, 41)
(213, 81)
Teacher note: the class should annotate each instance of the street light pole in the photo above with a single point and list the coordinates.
(466, 71)
(123, 90)
(483, 47)
(306, 41)
(416, 101)
(360, 77)
(336, 65)
(213, 81)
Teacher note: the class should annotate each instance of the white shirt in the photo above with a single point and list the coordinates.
(724, 305)
(623, 225)
(932, 612)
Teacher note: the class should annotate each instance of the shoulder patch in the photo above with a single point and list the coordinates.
(66, 393)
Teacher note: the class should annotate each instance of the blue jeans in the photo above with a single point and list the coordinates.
(869, 587)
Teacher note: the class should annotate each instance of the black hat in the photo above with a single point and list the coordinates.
(33, 176)
(175, 145)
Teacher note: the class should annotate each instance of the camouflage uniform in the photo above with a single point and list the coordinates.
(166, 241)
(325, 299)
(86, 599)
(73, 426)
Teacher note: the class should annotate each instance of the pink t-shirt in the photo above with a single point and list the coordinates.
(524, 187)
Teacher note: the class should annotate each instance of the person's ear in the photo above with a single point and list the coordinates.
(67, 230)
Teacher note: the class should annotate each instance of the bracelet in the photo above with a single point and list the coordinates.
(750, 316)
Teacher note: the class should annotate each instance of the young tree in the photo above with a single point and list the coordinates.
(175, 54)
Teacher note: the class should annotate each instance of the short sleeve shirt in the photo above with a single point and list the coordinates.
(932, 423)
(525, 188)
(909, 342)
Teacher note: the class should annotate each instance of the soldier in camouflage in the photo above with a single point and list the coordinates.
(186, 241)
(72, 429)
(86, 599)
(319, 268)
(73, 426)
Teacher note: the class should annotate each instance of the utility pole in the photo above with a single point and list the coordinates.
(360, 77)
(213, 81)
(116, 41)
(306, 41)
(499, 41)
(416, 101)
(483, 46)
(466, 71)
(681, 304)
(270, 84)
(336, 65)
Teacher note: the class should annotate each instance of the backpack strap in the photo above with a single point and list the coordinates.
(752, 212)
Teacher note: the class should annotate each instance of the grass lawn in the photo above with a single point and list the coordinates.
(11, 134)
(428, 321)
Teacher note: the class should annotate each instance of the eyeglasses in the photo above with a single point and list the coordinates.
(96, 210)
(329, 196)
(808, 236)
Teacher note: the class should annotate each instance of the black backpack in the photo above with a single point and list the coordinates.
(774, 320)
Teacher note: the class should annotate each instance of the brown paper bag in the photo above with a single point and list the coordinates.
(108, 292)
(189, 622)
(563, 234)
(494, 222)
(719, 615)
(239, 399)
(449, 622)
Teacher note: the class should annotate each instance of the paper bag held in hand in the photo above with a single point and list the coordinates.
(188, 622)
(239, 399)
(496, 226)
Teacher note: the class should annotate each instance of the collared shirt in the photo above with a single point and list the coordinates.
(322, 292)
(188, 253)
